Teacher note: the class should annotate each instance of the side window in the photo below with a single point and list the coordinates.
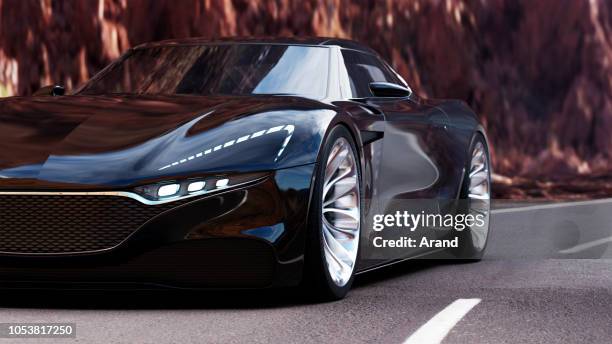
(362, 70)
(398, 78)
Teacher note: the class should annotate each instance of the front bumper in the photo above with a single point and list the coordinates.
(250, 237)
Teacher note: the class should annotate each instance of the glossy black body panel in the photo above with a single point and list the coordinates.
(409, 148)
(111, 142)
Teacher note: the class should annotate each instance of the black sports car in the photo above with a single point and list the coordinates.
(226, 164)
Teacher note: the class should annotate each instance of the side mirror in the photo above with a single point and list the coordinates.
(389, 90)
(51, 90)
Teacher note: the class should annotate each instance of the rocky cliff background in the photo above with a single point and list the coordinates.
(539, 73)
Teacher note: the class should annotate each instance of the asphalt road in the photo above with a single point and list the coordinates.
(547, 277)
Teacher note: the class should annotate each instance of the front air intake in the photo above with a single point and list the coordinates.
(64, 223)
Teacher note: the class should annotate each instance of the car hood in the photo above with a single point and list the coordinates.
(103, 141)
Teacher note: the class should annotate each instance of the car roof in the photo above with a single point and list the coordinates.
(307, 41)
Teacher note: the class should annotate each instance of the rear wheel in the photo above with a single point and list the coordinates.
(335, 219)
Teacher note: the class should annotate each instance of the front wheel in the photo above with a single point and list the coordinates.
(335, 218)
(475, 201)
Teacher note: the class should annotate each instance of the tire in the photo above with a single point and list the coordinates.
(475, 199)
(324, 278)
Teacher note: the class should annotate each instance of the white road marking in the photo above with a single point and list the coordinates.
(436, 329)
(586, 245)
(552, 206)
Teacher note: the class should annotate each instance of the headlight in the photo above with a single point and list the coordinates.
(211, 149)
(179, 189)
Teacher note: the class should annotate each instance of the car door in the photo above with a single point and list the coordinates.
(412, 163)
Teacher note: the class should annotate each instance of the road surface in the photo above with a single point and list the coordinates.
(546, 278)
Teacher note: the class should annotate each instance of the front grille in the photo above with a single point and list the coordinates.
(40, 224)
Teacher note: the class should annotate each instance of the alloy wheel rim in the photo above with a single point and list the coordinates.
(479, 194)
(340, 213)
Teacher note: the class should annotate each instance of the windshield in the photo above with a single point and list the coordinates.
(235, 69)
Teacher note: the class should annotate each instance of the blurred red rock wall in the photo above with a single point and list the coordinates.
(538, 72)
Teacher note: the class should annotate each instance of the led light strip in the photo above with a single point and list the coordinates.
(289, 128)
(133, 195)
